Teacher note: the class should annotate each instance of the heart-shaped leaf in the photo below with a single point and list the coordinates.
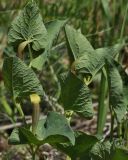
(53, 129)
(75, 95)
(124, 77)
(28, 27)
(80, 150)
(87, 61)
(101, 151)
(90, 64)
(53, 29)
(20, 80)
(77, 43)
(116, 94)
(57, 124)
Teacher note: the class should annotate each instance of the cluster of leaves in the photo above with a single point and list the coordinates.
(33, 41)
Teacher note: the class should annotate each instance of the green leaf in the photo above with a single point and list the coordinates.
(22, 136)
(28, 26)
(124, 77)
(16, 138)
(77, 43)
(53, 129)
(119, 154)
(57, 128)
(39, 61)
(80, 150)
(75, 95)
(111, 51)
(125, 90)
(53, 29)
(88, 65)
(116, 94)
(105, 4)
(101, 151)
(20, 80)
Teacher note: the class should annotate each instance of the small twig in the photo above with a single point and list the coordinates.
(11, 126)
(58, 46)
(53, 103)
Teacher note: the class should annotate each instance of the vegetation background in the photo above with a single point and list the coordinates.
(101, 21)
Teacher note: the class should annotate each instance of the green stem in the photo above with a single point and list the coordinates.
(126, 132)
(120, 130)
(122, 32)
(112, 125)
(102, 108)
(6, 106)
(124, 22)
(19, 108)
(33, 152)
(30, 52)
(33, 156)
(56, 81)
(35, 117)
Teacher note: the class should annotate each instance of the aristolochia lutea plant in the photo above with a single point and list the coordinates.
(32, 41)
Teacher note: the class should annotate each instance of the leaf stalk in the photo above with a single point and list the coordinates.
(102, 108)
